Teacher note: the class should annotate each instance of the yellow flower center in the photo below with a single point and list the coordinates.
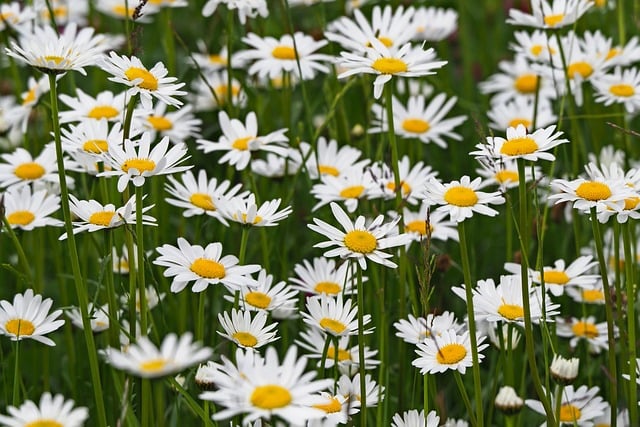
(385, 41)
(242, 143)
(631, 203)
(513, 123)
(418, 226)
(270, 396)
(511, 311)
(519, 146)
(613, 52)
(160, 123)
(526, 83)
(329, 288)
(451, 353)
(217, 59)
(20, 218)
(102, 112)
(352, 192)
(592, 295)
(415, 125)
(141, 165)
(222, 92)
(593, 191)
(328, 170)
(622, 90)
(120, 10)
(331, 407)
(506, 176)
(258, 299)
(203, 201)
(333, 325)
(54, 58)
(553, 20)
(536, 49)
(406, 188)
(256, 220)
(585, 329)
(461, 196)
(284, 52)
(96, 146)
(389, 65)
(342, 354)
(569, 413)
(44, 422)
(153, 365)
(29, 171)
(102, 218)
(245, 339)
(30, 97)
(580, 67)
(208, 268)
(556, 277)
(149, 81)
(360, 241)
(19, 327)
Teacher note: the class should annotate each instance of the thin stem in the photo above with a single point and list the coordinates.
(146, 402)
(16, 372)
(325, 351)
(363, 388)
(631, 323)
(465, 397)
(140, 272)
(391, 133)
(22, 257)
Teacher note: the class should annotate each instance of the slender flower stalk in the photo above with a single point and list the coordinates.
(363, 383)
(140, 272)
(394, 149)
(22, 257)
(16, 375)
(631, 321)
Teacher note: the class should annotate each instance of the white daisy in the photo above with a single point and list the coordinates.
(412, 180)
(20, 115)
(213, 92)
(335, 407)
(447, 351)
(520, 111)
(349, 188)
(588, 295)
(245, 8)
(416, 223)
(121, 9)
(564, 371)
(91, 138)
(151, 296)
(28, 317)
(144, 359)
(105, 105)
(51, 410)
(504, 173)
(577, 406)
(418, 329)
(620, 87)
(98, 317)
(15, 15)
(121, 262)
(245, 331)
(358, 240)
(585, 328)
(204, 266)
(21, 168)
(413, 418)
(323, 277)
(434, 24)
(27, 209)
(178, 125)
(333, 316)
(245, 211)
(329, 159)
(508, 401)
(265, 295)
(554, 14)
(520, 144)
(350, 388)
(536, 46)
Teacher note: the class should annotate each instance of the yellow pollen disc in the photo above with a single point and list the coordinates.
(120, 10)
(256, 220)
(29, 171)
(519, 146)
(331, 407)
(342, 354)
(360, 241)
(43, 422)
(569, 413)
(613, 53)
(418, 226)
(511, 311)
(102, 112)
(592, 295)
(329, 288)
(415, 125)
(149, 81)
(352, 192)
(270, 396)
(593, 191)
(519, 121)
(585, 329)
(258, 299)
(389, 65)
(385, 41)
(333, 325)
(556, 277)
(461, 196)
(208, 268)
(245, 339)
(526, 83)
(153, 365)
(217, 59)
(536, 49)
(451, 353)
(20, 218)
(102, 218)
(622, 90)
(328, 170)
(19, 327)
(160, 123)
(506, 176)
(553, 20)
(284, 52)
(242, 143)
(96, 146)
(203, 201)
(406, 188)
(141, 165)
(581, 67)
(30, 97)
(631, 203)
(56, 59)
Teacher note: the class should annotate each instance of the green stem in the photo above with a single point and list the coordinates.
(363, 388)
(631, 323)
(140, 272)
(114, 327)
(21, 255)
(146, 402)
(16, 374)
(325, 351)
(391, 132)
(465, 398)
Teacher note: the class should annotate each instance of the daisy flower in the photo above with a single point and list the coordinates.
(564, 371)
(269, 388)
(413, 418)
(447, 351)
(536, 46)
(245, 331)
(415, 224)
(623, 56)
(621, 87)
(121, 9)
(245, 211)
(212, 92)
(204, 266)
(329, 159)
(91, 138)
(178, 125)
(350, 388)
(64, 11)
(336, 408)
(417, 329)
(28, 317)
(508, 401)
(386, 63)
(265, 295)
(313, 340)
(98, 317)
(520, 144)
(585, 328)
(520, 111)
(199, 197)
(151, 295)
(333, 316)
(135, 160)
(411, 178)
(418, 120)
(20, 168)
(349, 188)
(461, 199)
(245, 8)
(275, 166)
(550, 14)
(15, 15)
(239, 140)
(152, 83)
(504, 173)
(323, 277)
(19, 115)
(434, 24)
(27, 209)
(51, 410)
(593, 294)
(143, 359)
(358, 240)
(213, 61)
(577, 406)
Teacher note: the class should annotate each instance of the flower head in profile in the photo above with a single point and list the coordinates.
(414, 418)
(585, 328)
(246, 211)
(333, 316)
(246, 332)
(358, 240)
(447, 351)
(578, 406)
(619, 87)
(323, 277)
(552, 14)
(277, 298)
(28, 317)
(50, 411)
